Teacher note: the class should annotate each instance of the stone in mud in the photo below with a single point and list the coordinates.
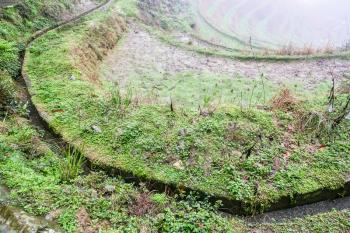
(72, 78)
(183, 132)
(53, 215)
(109, 188)
(4, 193)
(348, 116)
(96, 129)
(94, 194)
(178, 165)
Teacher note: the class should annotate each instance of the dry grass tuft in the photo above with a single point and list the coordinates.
(306, 50)
(345, 87)
(142, 205)
(284, 100)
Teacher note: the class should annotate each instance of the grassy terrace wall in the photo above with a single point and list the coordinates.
(247, 156)
(18, 22)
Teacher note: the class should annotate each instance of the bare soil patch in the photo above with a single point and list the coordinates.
(141, 52)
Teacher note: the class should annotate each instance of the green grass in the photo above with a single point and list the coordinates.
(146, 140)
(225, 154)
(31, 170)
(192, 89)
(36, 186)
(128, 7)
(332, 222)
(17, 23)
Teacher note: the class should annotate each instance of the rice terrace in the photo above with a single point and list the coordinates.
(174, 116)
(318, 24)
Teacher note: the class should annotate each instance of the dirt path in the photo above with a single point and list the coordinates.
(141, 52)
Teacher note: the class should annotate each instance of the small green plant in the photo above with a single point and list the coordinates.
(159, 198)
(207, 100)
(127, 101)
(116, 97)
(118, 100)
(71, 165)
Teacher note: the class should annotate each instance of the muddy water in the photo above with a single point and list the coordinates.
(318, 23)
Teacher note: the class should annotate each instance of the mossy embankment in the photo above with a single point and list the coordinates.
(256, 157)
(20, 21)
(90, 202)
(95, 202)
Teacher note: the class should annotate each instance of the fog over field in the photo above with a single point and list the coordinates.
(316, 23)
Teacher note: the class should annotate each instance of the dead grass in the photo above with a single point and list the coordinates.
(84, 222)
(86, 225)
(284, 100)
(100, 39)
(142, 205)
(345, 87)
(306, 50)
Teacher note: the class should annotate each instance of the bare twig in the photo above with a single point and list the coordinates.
(342, 115)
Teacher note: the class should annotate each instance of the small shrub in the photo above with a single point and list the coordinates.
(317, 123)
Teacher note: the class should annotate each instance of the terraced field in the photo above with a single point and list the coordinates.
(129, 131)
(273, 24)
(214, 145)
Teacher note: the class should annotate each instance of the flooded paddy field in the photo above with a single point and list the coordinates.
(276, 23)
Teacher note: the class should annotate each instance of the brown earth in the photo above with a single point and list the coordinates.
(142, 52)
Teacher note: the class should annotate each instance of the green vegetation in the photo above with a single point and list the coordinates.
(71, 166)
(334, 221)
(128, 8)
(18, 22)
(227, 147)
(242, 153)
(192, 89)
(7, 90)
(32, 171)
